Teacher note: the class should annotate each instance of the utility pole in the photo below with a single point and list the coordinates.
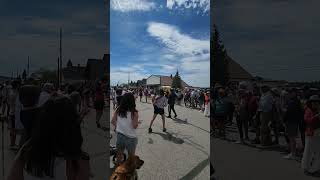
(28, 68)
(60, 57)
(58, 73)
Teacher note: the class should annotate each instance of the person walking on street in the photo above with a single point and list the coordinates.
(125, 120)
(159, 103)
(140, 94)
(171, 101)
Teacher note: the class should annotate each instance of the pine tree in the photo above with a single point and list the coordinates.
(24, 75)
(176, 81)
(219, 61)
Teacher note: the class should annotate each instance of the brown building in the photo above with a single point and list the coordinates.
(95, 69)
(157, 81)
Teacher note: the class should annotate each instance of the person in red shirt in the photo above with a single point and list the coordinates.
(311, 155)
(207, 104)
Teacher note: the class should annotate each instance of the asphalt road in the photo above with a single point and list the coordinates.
(181, 153)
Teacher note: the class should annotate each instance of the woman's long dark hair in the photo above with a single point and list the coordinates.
(127, 104)
(56, 133)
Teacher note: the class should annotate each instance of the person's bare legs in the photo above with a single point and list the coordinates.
(163, 122)
(98, 117)
(154, 117)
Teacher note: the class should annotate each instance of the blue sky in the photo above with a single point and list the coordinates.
(276, 39)
(30, 28)
(158, 37)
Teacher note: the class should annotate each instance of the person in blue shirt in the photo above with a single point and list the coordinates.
(220, 111)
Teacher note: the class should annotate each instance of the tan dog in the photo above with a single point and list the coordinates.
(127, 170)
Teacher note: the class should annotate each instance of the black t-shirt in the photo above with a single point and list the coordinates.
(28, 118)
(172, 98)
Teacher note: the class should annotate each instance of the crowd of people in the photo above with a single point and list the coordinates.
(48, 120)
(271, 113)
(125, 117)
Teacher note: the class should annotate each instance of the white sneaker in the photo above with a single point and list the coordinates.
(239, 142)
(290, 157)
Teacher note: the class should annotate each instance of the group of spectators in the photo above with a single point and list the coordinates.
(269, 112)
(48, 119)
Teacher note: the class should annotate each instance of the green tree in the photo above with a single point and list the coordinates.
(219, 61)
(176, 81)
(24, 75)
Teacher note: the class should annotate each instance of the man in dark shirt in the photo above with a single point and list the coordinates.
(292, 118)
(29, 97)
(171, 101)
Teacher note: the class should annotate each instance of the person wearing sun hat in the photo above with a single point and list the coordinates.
(311, 155)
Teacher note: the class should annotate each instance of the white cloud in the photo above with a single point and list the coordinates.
(132, 5)
(176, 41)
(202, 4)
(189, 55)
(119, 77)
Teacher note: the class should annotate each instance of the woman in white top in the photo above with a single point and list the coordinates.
(125, 120)
(159, 103)
(54, 150)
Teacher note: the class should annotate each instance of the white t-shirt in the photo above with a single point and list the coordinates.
(125, 127)
(13, 94)
(44, 96)
(18, 123)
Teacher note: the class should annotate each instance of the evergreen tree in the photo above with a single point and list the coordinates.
(219, 61)
(24, 75)
(176, 81)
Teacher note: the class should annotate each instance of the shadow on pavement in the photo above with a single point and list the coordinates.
(196, 170)
(150, 141)
(170, 137)
(180, 121)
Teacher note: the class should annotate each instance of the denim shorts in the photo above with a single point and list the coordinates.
(125, 142)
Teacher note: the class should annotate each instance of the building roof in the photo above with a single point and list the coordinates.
(167, 81)
(237, 72)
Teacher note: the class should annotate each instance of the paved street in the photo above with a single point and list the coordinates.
(181, 153)
(95, 143)
(246, 162)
